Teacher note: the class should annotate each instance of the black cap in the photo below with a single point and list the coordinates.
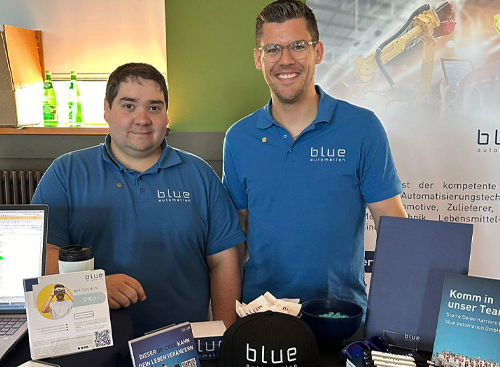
(75, 253)
(269, 339)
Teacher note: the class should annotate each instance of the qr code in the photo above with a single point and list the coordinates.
(102, 338)
(189, 363)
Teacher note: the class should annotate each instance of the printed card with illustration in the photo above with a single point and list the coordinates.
(67, 313)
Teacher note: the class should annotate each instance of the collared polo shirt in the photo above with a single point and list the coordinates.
(158, 226)
(307, 198)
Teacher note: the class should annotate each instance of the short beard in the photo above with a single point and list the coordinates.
(292, 99)
(297, 96)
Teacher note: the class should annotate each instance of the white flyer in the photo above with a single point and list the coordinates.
(67, 313)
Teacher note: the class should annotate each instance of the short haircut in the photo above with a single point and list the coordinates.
(59, 286)
(282, 10)
(134, 71)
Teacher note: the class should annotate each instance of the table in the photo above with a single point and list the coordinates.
(119, 355)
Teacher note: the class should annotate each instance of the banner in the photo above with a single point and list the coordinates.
(438, 97)
(469, 320)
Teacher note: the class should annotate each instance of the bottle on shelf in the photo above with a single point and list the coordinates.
(49, 102)
(74, 103)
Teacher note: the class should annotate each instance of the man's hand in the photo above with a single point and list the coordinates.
(123, 291)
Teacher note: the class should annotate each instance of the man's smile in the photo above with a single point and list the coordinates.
(287, 75)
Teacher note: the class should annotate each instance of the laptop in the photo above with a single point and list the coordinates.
(23, 237)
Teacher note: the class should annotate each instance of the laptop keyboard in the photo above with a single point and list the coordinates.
(9, 325)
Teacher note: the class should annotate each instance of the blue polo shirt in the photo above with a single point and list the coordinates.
(307, 198)
(158, 226)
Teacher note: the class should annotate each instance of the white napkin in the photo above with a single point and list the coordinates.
(269, 302)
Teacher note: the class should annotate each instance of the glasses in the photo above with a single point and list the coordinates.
(298, 50)
(59, 290)
(356, 349)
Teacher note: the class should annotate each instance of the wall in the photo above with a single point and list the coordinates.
(93, 36)
(211, 74)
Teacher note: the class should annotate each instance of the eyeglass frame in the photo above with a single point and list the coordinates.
(368, 343)
(281, 47)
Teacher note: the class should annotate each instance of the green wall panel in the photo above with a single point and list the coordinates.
(210, 70)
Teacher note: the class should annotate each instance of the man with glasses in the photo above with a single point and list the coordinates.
(302, 169)
(61, 306)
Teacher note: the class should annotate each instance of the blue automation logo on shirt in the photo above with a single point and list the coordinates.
(322, 154)
(174, 196)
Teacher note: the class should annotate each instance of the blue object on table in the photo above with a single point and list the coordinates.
(356, 349)
(329, 330)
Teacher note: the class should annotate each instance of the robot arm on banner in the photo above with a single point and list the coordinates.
(426, 25)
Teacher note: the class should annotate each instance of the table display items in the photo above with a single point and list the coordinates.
(332, 329)
(468, 329)
(376, 352)
(75, 258)
(207, 338)
(67, 313)
(50, 118)
(269, 339)
(411, 259)
(358, 348)
(268, 302)
(382, 359)
(74, 104)
(170, 346)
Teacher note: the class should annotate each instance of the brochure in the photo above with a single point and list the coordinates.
(171, 346)
(67, 313)
(469, 321)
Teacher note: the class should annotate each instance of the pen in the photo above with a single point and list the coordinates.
(392, 355)
(387, 363)
(392, 360)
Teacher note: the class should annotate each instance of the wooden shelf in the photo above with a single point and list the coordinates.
(54, 131)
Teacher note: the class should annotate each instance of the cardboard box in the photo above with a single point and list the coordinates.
(21, 81)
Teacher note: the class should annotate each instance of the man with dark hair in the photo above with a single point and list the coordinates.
(302, 169)
(280, 12)
(134, 71)
(159, 220)
(61, 306)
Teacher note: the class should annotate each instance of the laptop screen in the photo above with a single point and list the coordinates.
(23, 231)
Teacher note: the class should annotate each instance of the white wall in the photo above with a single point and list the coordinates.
(93, 36)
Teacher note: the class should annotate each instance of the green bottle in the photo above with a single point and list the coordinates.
(74, 103)
(49, 102)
